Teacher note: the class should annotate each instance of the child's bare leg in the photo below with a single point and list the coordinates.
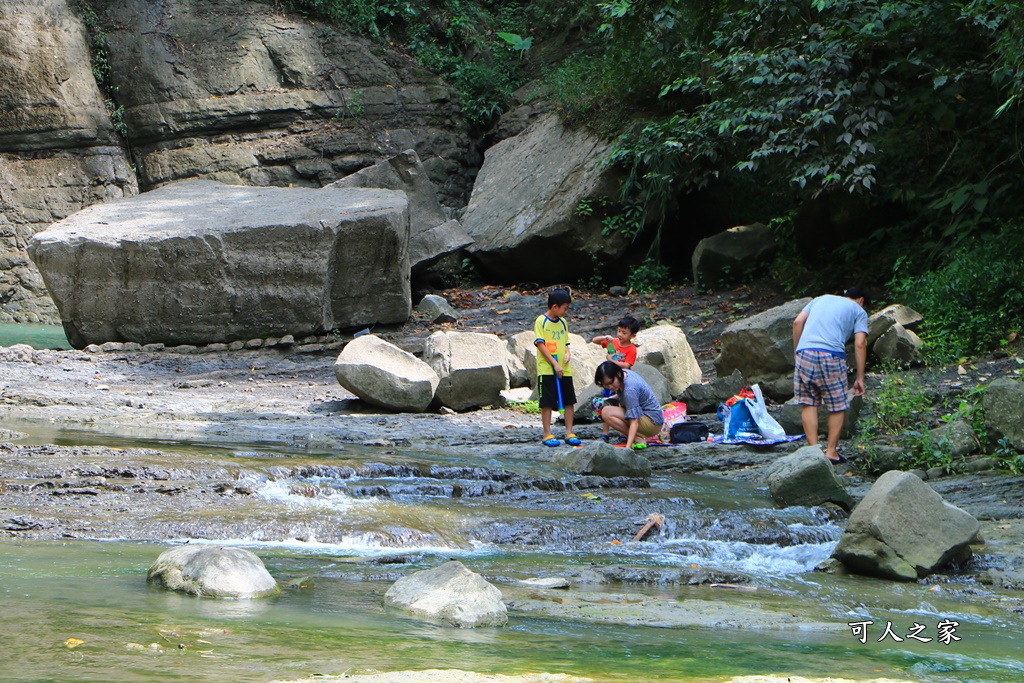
(569, 414)
(545, 421)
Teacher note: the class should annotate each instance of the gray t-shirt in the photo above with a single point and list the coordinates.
(638, 399)
(831, 321)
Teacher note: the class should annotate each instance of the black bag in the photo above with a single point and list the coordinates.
(688, 432)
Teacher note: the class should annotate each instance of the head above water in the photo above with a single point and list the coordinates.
(856, 292)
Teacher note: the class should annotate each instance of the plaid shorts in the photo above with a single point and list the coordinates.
(820, 378)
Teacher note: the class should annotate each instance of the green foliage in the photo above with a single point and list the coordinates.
(973, 301)
(595, 281)
(528, 407)
(463, 41)
(100, 53)
(898, 405)
(649, 276)
(905, 102)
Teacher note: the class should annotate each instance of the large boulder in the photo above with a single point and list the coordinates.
(522, 348)
(200, 262)
(432, 235)
(228, 90)
(891, 315)
(956, 437)
(665, 348)
(602, 460)
(451, 594)
(705, 398)
(471, 367)
(761, 348)
(898, 344)
(59, 151)
(790, 416)
(386, 376)
(732, 254)
(522, 213)
(806, 477)
(436, 309)
(1004, 412)
(213, 572)
(903, 530)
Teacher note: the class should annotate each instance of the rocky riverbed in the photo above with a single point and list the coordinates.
(165, 446)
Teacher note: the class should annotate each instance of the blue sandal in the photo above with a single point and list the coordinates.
(550, 441)
(572, 440)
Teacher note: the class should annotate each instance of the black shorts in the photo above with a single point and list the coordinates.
(548, 388)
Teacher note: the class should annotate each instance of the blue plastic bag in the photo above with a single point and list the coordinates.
(738, 421)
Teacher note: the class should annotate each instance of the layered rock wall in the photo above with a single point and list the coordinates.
(228, 90)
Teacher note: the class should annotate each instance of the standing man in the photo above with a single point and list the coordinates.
(820, 333)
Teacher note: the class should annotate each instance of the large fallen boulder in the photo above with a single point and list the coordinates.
(732, 254)
(432, 234)
(523, 213)
(705, 398)
(898, 344)
(761, 348)
(1004, 412)
(891, 315)
(471, 367)
(200, 262)
(451, 594)
(903, 530)
(665, 348)
(213, 572)
(386, 376)
(806, 477)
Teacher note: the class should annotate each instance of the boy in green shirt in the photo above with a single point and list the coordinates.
(554, 374)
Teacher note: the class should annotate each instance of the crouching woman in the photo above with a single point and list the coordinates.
(638, 415)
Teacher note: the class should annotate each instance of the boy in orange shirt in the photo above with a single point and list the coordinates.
(621, 351)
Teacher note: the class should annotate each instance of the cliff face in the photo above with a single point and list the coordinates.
(228, 90)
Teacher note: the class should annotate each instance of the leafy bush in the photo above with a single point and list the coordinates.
(973, 302)
(649, 276)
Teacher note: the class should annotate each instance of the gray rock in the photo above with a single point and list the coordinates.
(208, 262)
(705, 398)
(1004, 412)
(761, 348)
(235, 345)
(806, 477)
(522, 213)
(517, 375)
(665, 348)
(286, 340)
(521, 346)
(437, 309)
(654, 378)
(956, 438)
(254, 344)
(732, 254)
(899, 344)
(602, 460)
(213, 572)
(551, 582)
(153, 348)
(789, 416)
(432, 235)
(471, 368)
(880, 322)
(451, 594)
(385, 376)
(903, 530)
(19, 353)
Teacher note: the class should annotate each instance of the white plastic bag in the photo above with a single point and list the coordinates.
(766, 424)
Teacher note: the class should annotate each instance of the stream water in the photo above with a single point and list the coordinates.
(35, 335)
(342, 529)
